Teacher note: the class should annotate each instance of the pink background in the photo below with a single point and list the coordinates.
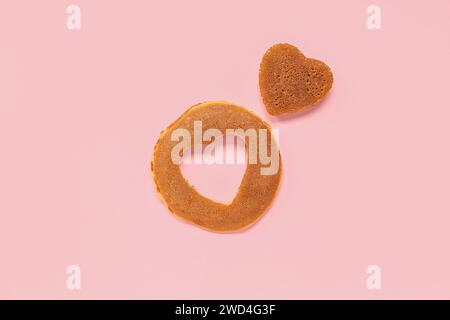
(367, 173)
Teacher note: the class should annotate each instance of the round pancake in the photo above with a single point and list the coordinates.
(256, 191)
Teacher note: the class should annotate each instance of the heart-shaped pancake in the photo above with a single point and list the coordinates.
(291, 82)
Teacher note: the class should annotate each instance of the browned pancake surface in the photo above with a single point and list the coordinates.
(255, 193)
(290, 82)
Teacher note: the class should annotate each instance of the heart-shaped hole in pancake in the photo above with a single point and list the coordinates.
(217, 180)
(290, 82)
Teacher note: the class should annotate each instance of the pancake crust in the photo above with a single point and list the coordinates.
(290, 82)
(255, 193)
